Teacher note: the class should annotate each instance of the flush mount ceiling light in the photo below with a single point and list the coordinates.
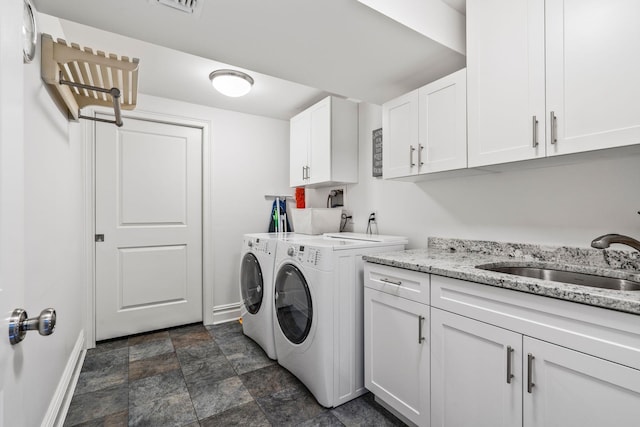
(231, 82)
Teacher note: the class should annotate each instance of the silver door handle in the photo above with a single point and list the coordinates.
(304, 170)
(420, 321)
(509, 369)
(554, 127)
(19, 324)
(308, 172)
(530, 383)
(420, 148)
(392, 282)
(411, 150)
(535, 131)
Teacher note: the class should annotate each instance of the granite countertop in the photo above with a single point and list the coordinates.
(458, 259)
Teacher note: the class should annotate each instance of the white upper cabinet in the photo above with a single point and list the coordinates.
(443, 124)
(400, 135)
(425, 130)
(323, 146)
(579, 54)
(505, 77)
(299, 137)
(593, 70)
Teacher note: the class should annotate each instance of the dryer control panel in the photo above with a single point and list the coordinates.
(310, 256)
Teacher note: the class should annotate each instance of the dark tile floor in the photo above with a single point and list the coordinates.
(201, 376)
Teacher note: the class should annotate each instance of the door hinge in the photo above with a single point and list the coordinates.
(99, 237)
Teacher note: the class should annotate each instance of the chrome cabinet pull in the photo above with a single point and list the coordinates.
(304, 170)
(530, 383)
(535, 131)
(392, 282)
(420, 148)
(509, 369)
(554, 128)
(420, 321)
(411, 150)
(308, 172)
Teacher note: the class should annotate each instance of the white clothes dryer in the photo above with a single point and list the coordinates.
(319, 312)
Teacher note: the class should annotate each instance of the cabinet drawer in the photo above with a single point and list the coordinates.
(408, 284)
(607, 334)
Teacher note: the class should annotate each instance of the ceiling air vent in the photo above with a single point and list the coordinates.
(187, 6)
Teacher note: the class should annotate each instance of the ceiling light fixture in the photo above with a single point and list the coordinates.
(231, 82)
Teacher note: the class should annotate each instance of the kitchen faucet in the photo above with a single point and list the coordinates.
(605, 241)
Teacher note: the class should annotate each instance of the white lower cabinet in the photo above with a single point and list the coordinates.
(573, 389)
(476, 373)
(397, 353)
(496, 357)
(484, 375)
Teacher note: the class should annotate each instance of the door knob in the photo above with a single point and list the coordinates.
(19, 324)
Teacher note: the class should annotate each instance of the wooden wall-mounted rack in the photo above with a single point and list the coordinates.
(82, 78)
(275, 196)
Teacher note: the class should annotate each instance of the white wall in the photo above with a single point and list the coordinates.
(54, 236)
(250, 159)
(564, 205)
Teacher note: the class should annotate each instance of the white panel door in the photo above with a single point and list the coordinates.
(13, 389)
(592, 73)
(320, 142)
(470, 361)
(505, 80)
(149, 209)
(573, 389)
(400, 135)
(443, 124)
(396, 353)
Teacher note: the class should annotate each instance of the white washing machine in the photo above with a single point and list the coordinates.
(257, 261)
(318, 312)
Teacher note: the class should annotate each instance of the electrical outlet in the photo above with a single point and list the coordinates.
(372, 222)
(346, 223)
(349, 215)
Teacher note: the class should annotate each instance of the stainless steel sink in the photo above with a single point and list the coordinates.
(574, 278)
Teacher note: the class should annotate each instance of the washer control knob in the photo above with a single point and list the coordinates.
(250, 243)
(291, 251)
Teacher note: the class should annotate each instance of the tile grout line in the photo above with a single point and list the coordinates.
(185, 380)
(128, 381)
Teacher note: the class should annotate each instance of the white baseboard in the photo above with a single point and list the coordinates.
(57, 411)
(226, 313)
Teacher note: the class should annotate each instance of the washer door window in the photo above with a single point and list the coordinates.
(293, 304)
(251, 283)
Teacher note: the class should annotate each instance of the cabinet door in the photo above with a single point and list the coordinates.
(400, 136)
(443, 124)
(592, 73)
(505, 80)
(470, 361)
(298, 146)
(320, 142)
(396, 355)
(573, 389)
